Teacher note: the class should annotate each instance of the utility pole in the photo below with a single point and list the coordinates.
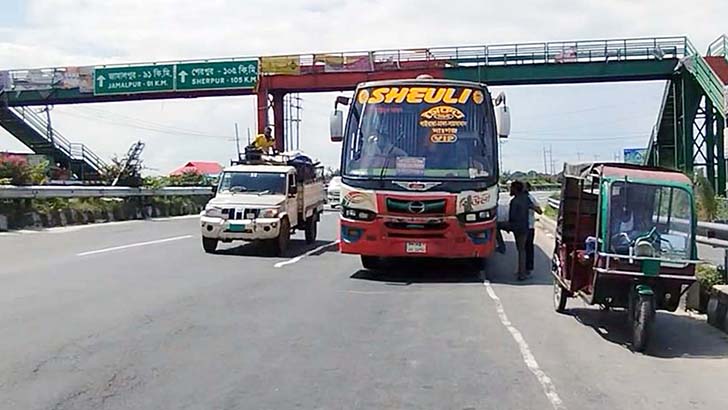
(548, 160)
(237, 141)
(49, 127)
(578, 156)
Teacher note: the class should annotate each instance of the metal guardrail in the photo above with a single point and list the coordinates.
(706, 77)
(42, 191)
(75, 151)
(719, 47)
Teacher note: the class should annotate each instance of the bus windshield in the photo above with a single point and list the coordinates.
(420, 132)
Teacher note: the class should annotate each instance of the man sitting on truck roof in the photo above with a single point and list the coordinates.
(265, 141)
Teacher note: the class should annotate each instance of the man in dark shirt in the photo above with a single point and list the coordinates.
(518, 223)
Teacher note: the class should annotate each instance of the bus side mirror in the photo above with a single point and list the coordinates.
(503, 120)
(336, 126)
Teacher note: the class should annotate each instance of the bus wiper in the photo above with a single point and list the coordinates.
(385, 165)
(238, 188)
(265, 192)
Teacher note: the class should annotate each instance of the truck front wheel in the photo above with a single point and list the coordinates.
(311, 229)
(280, 244)
(209, 244)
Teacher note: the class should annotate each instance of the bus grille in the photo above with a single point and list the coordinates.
(424, 207)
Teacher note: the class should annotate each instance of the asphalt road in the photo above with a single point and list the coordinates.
(136, 316)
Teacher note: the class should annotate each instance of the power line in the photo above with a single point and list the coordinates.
(146, 128)
(140, 121)
(594, 138)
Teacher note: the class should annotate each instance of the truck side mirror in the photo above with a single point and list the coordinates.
(292, 190)
(336, 126)
(214, 190)
(503, 120)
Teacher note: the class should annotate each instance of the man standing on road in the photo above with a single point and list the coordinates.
(534, 208)
(518, 223)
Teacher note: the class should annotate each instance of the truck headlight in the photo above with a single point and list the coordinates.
(213, 212)
(269, 212)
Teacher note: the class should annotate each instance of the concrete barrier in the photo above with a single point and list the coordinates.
(718, 307)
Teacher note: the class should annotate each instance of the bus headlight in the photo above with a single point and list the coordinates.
(358, 214)
(477, 216)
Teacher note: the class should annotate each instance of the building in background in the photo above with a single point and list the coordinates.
(207, 168)
(635, 155)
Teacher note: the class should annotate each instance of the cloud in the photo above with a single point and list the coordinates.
(79, 32)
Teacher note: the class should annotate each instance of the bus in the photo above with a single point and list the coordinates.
(419, 169)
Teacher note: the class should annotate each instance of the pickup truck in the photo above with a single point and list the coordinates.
(263, 203)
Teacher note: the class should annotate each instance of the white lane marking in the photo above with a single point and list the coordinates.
(134, 245)
(74, 228)
(528, 358)
(309, 253)
(367, 292)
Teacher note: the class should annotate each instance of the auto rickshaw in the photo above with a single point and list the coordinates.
(625, 238)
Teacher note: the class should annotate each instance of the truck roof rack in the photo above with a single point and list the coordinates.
(254, 157)
(305, 167)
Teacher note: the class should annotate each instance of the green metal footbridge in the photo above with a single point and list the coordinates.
(688, 134)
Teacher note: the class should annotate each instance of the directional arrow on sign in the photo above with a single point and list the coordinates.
(100, 79)
(182, 76)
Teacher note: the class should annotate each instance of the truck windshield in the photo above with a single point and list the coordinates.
(420, 132)
(273, 183)
(668, 216)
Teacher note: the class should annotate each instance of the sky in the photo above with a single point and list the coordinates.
(572, 122)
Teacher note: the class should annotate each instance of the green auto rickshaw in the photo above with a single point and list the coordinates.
(625, 238)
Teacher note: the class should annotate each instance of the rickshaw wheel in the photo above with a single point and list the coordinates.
(560, 297)
(642, 322)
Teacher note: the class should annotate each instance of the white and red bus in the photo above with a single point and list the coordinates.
(419, 169)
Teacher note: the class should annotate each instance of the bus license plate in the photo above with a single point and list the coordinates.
(416, 247)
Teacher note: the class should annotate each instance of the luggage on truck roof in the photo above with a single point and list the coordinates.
(304, 165)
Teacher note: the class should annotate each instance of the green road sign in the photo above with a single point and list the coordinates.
(130, 80)
(223, 74)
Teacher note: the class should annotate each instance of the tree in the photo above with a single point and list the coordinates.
(331, 172)
(17, 171)
(707, 203)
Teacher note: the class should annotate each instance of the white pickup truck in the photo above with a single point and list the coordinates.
(263, 203)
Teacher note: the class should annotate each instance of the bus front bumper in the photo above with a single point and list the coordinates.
(374, 238)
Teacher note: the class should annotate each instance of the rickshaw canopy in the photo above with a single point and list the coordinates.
(614, 170)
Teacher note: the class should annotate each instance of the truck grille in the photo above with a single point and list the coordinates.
(237, 214)
(416, 207)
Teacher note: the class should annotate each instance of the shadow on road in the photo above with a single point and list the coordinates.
(406, 272)
(501, 268)
(295, 248)
(675, 336)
